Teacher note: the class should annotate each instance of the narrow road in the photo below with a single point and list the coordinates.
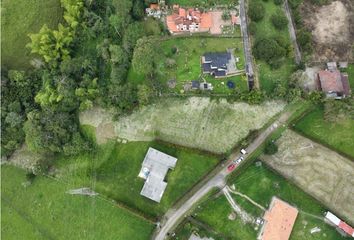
(246, 45)
(173, 216)
(292, 32)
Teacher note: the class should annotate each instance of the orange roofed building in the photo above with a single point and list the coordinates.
(278, 221)
(188, 20)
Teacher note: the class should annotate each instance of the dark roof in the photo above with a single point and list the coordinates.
(195, 84)
(206, 67)
(218, 60)
(220, 73)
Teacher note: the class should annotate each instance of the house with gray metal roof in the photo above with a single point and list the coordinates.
(218, 64)
(154, 169)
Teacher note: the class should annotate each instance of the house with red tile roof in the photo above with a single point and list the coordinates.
(333, 83)
(188, 20)
(278, 221)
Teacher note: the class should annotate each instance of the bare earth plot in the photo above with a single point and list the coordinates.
(332, 29)
(321, 172)
(211, 125)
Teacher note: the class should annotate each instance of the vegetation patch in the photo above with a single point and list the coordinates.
(19, 18)
(338, 135)
(211, 125)
(114, 170)
(43, 210)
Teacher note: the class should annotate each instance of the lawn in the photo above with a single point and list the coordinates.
(113, 171)
(19, 18)
(187, 61)
(338, 136)
(43, 210)
(267, 76)
(260, 184)
(350, 71)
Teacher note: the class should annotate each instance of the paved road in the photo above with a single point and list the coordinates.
(292, 32)
(246, 45)
(172, 217)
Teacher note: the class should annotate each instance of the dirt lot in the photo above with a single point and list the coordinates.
(332, 28)
(202, 123)
(321, 172)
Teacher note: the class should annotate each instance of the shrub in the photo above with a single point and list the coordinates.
(253, 28)
(278, 2)
(256, 11)
(270, 148)
(304, 39)
(279, 20)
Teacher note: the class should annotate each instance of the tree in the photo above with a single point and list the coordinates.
(304, 40)
(138, 9)
(121, 17)
(133, 32)
(279, 20)
(278, 2)
(256, 11)
(117, 54)
(72, 13)
(268, 50)
(225, 15)
(144, 56)
(270, 148)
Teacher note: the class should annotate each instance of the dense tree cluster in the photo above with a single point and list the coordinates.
(279, 20)
(256, 11)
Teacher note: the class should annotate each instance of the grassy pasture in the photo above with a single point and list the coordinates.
(337, 135)
(114, 168)
(19, 18)
(43, 210)
(260, 184)
(187, 59)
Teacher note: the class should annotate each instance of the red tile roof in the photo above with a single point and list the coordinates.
(346, 228)
(154, 6)
(331, 81)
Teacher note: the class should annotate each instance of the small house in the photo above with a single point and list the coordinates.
(218, 64)
(333, 83)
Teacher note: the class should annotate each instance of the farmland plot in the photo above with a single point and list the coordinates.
(211, 125)
(321, 172)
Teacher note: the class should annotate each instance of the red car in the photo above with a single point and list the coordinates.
(231, 167)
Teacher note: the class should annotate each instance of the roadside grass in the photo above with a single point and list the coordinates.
(113, 171)
(338, 136)
(350, 71)
(43, 210)
(187, 59)
(260, 184)
(268, 77)
(19, 18)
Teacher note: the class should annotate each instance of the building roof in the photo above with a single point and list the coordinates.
(331, 81)
(154, 6)
(279, 220)
(332, 218)
(195, 84)
(339, 223)
(332, 66)
(154, 169)
(346, 228)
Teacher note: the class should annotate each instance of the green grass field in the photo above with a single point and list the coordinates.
(19, 18)
(350, 71)
(114, 169)
(187, 58)
(337, 135)
(267, 76)
(260, 184)
(43, 210)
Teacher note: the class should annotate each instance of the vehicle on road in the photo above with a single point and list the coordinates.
(231, 167)
(238, 161)
(243, 151)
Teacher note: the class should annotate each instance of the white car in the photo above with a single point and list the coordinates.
(243, 151)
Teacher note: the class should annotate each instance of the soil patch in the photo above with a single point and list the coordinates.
(332, 29)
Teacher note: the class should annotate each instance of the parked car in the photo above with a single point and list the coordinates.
(243, 151)
(231, 167)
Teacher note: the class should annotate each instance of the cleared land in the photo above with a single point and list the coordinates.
(320, 171)
(260, 184)
(42, 210)
(268, 77)
(210, 125)
(19, 18)
(331, 31)
(113, 171)
(338, 135)
(179, 59)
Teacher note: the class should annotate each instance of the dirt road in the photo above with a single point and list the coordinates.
(172, 217)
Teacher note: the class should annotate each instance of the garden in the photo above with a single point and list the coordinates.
(178, 60)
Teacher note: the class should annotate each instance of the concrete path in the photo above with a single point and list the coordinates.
(246, 45)
(292, 32)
